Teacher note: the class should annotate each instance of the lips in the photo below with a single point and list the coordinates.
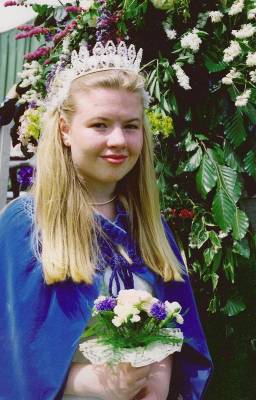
(115, 156)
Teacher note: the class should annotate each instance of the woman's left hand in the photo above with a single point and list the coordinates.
(158, 381)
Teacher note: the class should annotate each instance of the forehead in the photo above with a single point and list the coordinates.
(118, 102)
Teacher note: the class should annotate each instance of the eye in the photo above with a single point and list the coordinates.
(132, 126)
(99, 125)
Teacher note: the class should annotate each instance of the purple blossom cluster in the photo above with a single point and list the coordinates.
(106, 23)
(107, 304)
(25, 175)
(158, 311)
(35, 55)
(32, 32)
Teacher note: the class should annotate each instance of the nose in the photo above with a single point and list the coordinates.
(116, 137)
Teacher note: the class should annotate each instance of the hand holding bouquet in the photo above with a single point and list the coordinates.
(135, 327)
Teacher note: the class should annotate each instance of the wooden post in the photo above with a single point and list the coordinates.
(5, 149)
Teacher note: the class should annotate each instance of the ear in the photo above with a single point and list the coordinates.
(64, 131)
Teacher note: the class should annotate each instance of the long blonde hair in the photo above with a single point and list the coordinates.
(64, 217)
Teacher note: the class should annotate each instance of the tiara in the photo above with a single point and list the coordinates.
(103, 58)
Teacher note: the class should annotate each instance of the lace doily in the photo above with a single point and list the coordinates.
(98, 353)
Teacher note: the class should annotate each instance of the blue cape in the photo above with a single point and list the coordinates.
(40, 325)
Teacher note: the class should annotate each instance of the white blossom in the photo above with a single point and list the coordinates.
(65, 45)
(253, 76)
(251, 13)
(135, 318)
(233, 74)
(179, 319)
(243, 98)
(202, 19)
(232, 51)
(31, 148)
(30, 73)
(31, 96)
(86, 4)
(173, 307)
(122, 312)
(183, 79)
(247, 30)
(216, 16)
(191, 41)
(251, 59)
(132, 297)
(171, 33)
(236, 8)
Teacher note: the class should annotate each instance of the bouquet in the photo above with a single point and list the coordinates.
(135, 327)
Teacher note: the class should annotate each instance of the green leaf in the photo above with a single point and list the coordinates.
(217, 261)
(227, 179)
(234, 306)
(250, 163)
(213, 66)
(231, 158)
(223, 210)
(213, 305)
(229, 270)
(234, 129)
(240, 224)
(206, 176)
(190, 144)
(198, 235)
(208, 255)
(242, 248)
(214, 238)
(250, 111)
(215, 280)
(193, 163)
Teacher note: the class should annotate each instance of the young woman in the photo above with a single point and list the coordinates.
(91, 220)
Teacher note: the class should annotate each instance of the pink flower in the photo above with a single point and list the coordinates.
(25, 28)
(73, 9)
(21, 36)
(35, 55)
(10, 3)
(59, 36)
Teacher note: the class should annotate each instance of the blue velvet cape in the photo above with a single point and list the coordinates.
(40, 324)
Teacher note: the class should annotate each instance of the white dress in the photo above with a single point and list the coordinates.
(139, 284)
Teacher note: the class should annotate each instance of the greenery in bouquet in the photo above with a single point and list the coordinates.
(134, 319)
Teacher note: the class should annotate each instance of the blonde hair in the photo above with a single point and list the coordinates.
(65, 221)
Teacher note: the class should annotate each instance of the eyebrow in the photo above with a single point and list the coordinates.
(107, 119)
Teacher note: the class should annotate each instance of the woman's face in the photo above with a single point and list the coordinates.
(105, 135)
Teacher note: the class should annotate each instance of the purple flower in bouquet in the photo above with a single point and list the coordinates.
(158, 311)
(105, 303)
(25, 175)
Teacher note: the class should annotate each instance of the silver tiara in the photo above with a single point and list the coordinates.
(82, 63)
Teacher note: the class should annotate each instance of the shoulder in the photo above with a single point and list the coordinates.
(17, 215)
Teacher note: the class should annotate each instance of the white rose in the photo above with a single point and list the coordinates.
(133, 297)
(173, 307)
(124, 311)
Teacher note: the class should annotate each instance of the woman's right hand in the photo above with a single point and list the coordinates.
(120, 382)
